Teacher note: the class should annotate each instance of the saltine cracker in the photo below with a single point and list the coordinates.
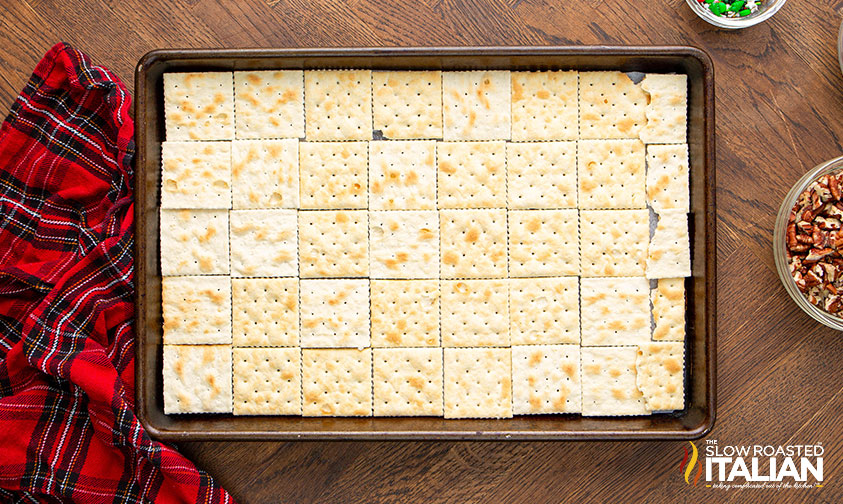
(546, 379)
(267, 381)
(405, 313)
(196, 310)
(667, 109)
(338, 104)
(333, 174)
(669, 254)
(611, 106)
(269, 104)
(608, 382)
(404, 244)
(476, 105)
(541, 175)
(471, 174)
(336, 382)
(544, 310)
(667, 177)
(478, 382)
(199, 106)
(661, 375)
(611, 174)
(265, 173)
(194, 242)
(265, 312)
(197, 379)
(475, 313)
(473, 243)
(613, 242)
(263, 243)
(615, 311)
(334, 313)
(333, 243)
(407, 381)
(543, 242)
(544, 105)
(196, 175)
(402, 175)
(407, 104)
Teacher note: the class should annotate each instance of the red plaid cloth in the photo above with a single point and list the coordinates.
(67, 427)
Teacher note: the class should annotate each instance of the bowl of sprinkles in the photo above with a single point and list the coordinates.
(735, 14)
(808, 243)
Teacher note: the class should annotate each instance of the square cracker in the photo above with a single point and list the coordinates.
(661, 375)
(471, 174)
(197, 379)
(196, 175)
(541, 175)
(333, 174)
(543, 243)
(611, 106)
(267, 381)
(337, 382)
(407, 381)
(265, 173)
(667, 110)
(546, 379)
(667, 177)
(196, 310)
(613, 242)
(407, 105)
(476, 105)
(478, 382)
(199, 106)
(615, 311)
(194, 242)
(611, 174)
(269, 104)
(333, 243)
(405, 313)
(338, 104)
(669, 309)
(475, 313)
(402, 175)
(263, 243)
(608, 382)
(473, 243)
(334, 313)
(669, 254)
(404, 244)
(544, 310)
(265, 312)
(544, 105)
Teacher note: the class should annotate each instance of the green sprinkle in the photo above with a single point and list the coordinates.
(718, 8)
(737, 6)
(744, 13)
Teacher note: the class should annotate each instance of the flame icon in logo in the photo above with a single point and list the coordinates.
(690, 467)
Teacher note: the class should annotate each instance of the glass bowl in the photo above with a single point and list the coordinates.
(840, 47)
(765, 11)
(780, 244)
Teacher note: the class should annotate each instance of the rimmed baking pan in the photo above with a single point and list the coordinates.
(694, 421)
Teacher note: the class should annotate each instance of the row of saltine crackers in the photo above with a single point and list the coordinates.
(424, 175)
(452, 244)
(450, 382)
(471, 105)
(350, 313)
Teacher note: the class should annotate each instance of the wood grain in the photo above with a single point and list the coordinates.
(779, 104)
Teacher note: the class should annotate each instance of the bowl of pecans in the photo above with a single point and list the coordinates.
(808, 243)
(735, 14)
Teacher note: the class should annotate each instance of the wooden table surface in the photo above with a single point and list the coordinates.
(779, 104)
